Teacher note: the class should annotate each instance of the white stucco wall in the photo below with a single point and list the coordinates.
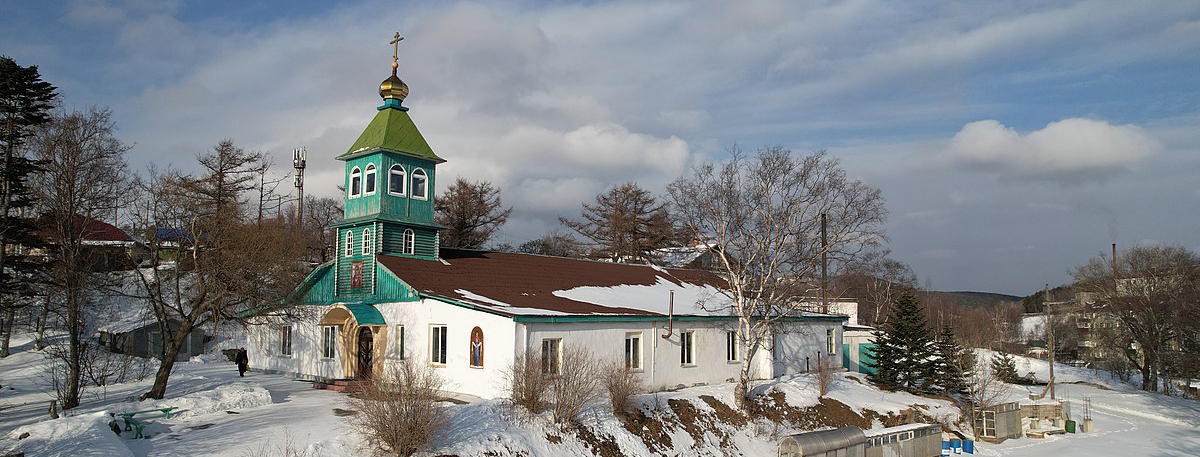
(417, 319)
(305, 361)
(662, 367)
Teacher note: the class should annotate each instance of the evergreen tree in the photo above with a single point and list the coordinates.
(950, 361)
(627, 224)
(904, 350)
(25, 103)
(1005, 368)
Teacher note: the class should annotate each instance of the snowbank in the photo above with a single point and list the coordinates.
(66, 436)
(233, 396)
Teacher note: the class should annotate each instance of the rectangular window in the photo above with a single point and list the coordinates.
(437, 344)
(552, 356)
(731, 346)
(285, 340)
(328, 341)
(633, 351)
(687, 347)
(830, 340)
(400, 342)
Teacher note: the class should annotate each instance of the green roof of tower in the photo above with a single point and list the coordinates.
(392, 130)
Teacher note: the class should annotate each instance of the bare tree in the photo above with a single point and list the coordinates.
(82, 178)
(554, 243)
(220, 263)
(401, 412)
(875, 280)
(1149, 289)
(625, 224)
(471, 213)
(320, 215)
(984, 389)
(825, 375)
(765, 214)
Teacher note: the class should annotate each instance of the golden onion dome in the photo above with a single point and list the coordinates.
(393, 87)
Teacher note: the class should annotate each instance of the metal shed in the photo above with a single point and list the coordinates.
(911, 440)
(839, 442)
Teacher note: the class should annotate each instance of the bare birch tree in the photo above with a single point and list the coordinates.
(764, 213)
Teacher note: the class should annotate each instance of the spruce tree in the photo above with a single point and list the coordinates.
(903, 348)
(1004, 367)
(25, 103)
(950, 361)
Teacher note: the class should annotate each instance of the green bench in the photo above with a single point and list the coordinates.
(134, 424)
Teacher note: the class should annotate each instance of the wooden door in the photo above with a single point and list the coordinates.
(366, 350)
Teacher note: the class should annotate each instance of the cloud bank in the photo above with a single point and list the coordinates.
(1074, 149)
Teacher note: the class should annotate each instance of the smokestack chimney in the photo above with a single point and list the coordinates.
(1114, 261)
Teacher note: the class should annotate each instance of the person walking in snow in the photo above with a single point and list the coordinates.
(243, 362)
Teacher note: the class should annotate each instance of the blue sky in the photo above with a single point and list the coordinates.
(1012, 140)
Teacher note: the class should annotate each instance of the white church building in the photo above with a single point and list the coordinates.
(394, 294)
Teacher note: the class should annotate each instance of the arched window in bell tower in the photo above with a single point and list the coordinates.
(355, 183)
(349, 243)
(367, 241)
(410, 242)
(369, 179)
(420, 185)
(397, 180)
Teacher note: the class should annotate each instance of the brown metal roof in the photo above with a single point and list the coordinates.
(528, 281)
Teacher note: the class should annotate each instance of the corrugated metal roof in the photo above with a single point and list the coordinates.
(812, 443)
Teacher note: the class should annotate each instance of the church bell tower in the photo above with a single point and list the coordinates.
(389, 190)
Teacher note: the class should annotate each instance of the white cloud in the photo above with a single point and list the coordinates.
(1075, 149)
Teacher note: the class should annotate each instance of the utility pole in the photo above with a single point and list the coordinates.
(824, 266)
(298, 162)
(1049, 333)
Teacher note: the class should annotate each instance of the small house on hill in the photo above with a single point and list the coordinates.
(106, 247)
(393, 294)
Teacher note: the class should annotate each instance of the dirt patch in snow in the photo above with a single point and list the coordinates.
(826, 413)
(602, 445)
(653, 432)
(725, 413)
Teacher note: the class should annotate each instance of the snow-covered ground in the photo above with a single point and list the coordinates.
(264, 414)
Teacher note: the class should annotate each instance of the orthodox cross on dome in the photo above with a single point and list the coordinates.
(395, 51)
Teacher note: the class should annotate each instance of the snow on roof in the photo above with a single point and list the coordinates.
(525, 284)
(898, 429)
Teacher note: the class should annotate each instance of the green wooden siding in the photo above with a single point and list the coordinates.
(381, 202)
(388, 288)
(393, 240)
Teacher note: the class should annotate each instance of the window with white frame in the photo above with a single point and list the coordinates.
(397, 180)
(349, 243)
(687, 347)
(420, 185)
(355, 183)
(731, 346)
(552, 356)
(285, 340)
(831, 341)
(369, 179)
(437, 344)
(329, 341)
(367, 241)
(400, 342)
(410, 242)
(633, 351)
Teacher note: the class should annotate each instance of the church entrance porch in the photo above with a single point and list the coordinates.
(361, 338)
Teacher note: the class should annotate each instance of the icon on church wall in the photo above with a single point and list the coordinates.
(356, 280)
(477, 347)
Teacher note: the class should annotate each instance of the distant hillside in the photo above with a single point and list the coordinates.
(976, 299)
